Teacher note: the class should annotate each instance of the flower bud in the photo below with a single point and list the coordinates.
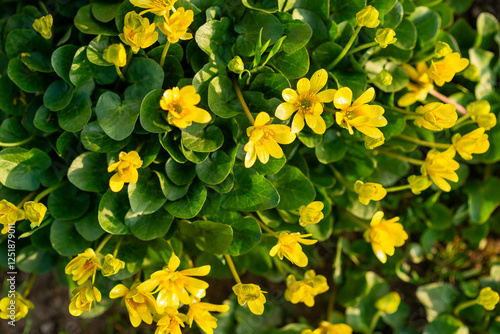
(486, 121)
(384, 78)
(116, 54)
(389, 303)
(474, 142)
(111, 265)
(34, 212)
(236, 65)
(43, 26)
(311, 214)
(488, 298)
(369, 191)
(481, 107)
(385, 37)
(419, 183)
(442, 49)
(368, 17)
(436, 116)
(371, 143)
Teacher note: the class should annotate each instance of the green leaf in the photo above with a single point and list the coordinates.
(62, 59)
(95, 51)
(346, 10)
(222, 98)
(208, 236)
(399, 77)
(215, 38)
(249, 28)
(427, 23)
(315, 22)
(297, 32)
(214, 169)
(293, 187)
(483, 198)
(487, 28)
(82, 70)
(88, 225)
(180, 173)
(26, 41)
(95, 139)
(446, 324)
(355, 79)
(188, 206)
(37, 61)
(149, 226)
(9, 97)
(251, 192)
(58, 95)
(439, 217)
(105, 12)
(66, 240)
(271, 84)
(393, 18)
(206, 140)
(482, 59)
(44, 120)
(437, 298)
(21, 169)
(86, 23)
(24, 78)
(75, 116)
(272, 167)
(171, 191)
(88, 172)
(246, 235)
(115, 117)
(267, 6)
(292, 65)
(12, 131)
(144, 75)
(68, 203)
(331, 148)
(152, 116)
(407, 35)
(112, 210)
(146, 195)
(37, 261)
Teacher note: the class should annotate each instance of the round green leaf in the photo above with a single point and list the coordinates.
(45, 120)
(331, 148)
(24, 78)
(105, 12)
(58, 95)
(37, 261)
(115, 117)
(152, 119)
(75, 116)
(178, 173)
(96, 49)
(215, 38)
(21, 169)
(427, 23)
(214, 169)
(208, 236)
(206, 140)
(267, 6)
(95, 139)
(446, 323)
(62, 59)
(66, 240)
(12, 131)
(406, 33)
(171, 191)
(251, 192)
(272, 167)
(294, 188)
(297, 32)
(68, 203)
(292, 65)
(86, 23)
(148, 227)
(146, 195)
(9, 97)
(246, 234)
(144, 75)
(188, 206)
(88, 225)
(88, 172)
(112, 210)
(222, 98)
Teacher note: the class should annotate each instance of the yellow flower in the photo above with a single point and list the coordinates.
(385, 36)
(264, 139)
(369, 191)
(170, 322)
(83, 266)
(252, 295)
(371, 143)
(43, 26)
(127, 170)
(368, 17)
(419, 88)
(289, 246)
(444, 70)
(83, 299)
(181, 106)
(328, 328)
(389, 303)
(488, 298)
(385, 235)
(157, 7)
(15, 308)
(111, 265)
(365, 118)
(34, 212)
(480, 113)
(140, 306)
(307, 102)
(173, 286)
(436, 116)
(116, 54)
(305, 290)
(200, 313)
(440, 166)
(9, 215)
(175, 27)
(419, 183)
(137, 32)
(442, 49)
(474, 142)
(311, 214)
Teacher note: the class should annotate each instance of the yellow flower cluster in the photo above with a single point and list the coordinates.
(176, 26)
(385, 36)
(137, 32)
(43, 26)
(305, 290)
(436, 116)
(10, 214)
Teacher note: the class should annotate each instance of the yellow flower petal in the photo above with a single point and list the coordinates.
(343, 98)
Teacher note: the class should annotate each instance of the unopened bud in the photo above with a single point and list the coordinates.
(44, 26)
(442, 49)
(389, 303)
(236, 65)
(384, 37)
(368, 17)
(116, 54)
(384, 78)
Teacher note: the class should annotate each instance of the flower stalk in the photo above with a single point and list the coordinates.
(244, 105)
(401, 157)
(103, 243)
(230, 263)
(164, 54)
(345, 50)
(446, 99)
(424, 142)
(49, 190)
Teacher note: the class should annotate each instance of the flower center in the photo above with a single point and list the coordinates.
(350, 114)
(306, 105)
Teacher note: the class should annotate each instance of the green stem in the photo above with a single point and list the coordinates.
(339, 177)
(461, 120)
(267, 229)
(355, 219)
(344, 51)
(463, 124)
(330, 110)
(374, 321)
(331, 303)
(393, 189)
(403, 111)
(364, 46)
(232, 268)
(129, 58)
(117, 247)
(103, 243)
(244, 105)
(401, 157)
(119, 72)
(464, 305)
(424, 142)
(164, 54)
(29, 285)
(27, 198)
(19, 143)
(446, 99)
(49, 190)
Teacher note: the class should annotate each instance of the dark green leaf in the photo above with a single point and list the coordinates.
(75, 116)
(206, 140)
(208, 236)
(21, 169)
(148, 227)
(215, 168)
(146, 195)
(58, 95)
(86, 23)
(144, 75)
(88, 172)
(115, 117)
(246, 234)
(152, 116)
(66, 240)
(293, 187)
(292, 65)
(112, 210)
(95, 139)
(188, 206)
